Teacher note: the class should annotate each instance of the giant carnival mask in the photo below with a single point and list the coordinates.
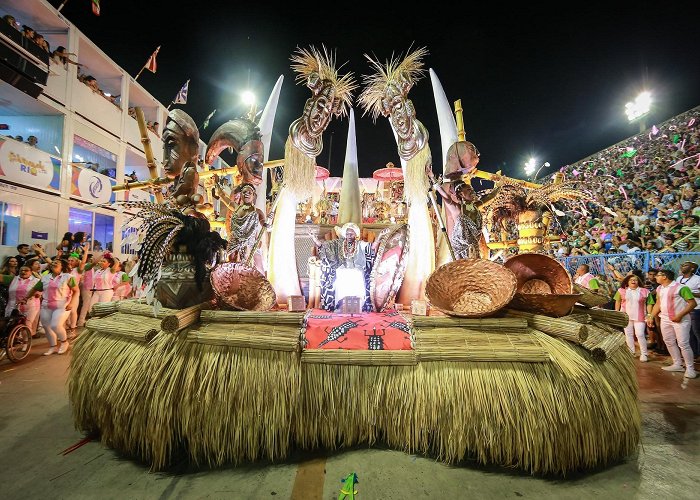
(180, 142)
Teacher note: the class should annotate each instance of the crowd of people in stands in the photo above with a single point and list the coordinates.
(56, 292)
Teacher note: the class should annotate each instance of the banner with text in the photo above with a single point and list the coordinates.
(28, 166)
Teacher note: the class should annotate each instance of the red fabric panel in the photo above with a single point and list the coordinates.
(366, 331)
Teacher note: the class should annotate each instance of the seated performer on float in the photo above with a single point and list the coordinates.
(346, 264)
(246, 222)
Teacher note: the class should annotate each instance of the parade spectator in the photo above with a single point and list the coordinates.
(60, 295)
(675, 302)
(61, 56)
(687, 277)
(585, 278)
(637, 302)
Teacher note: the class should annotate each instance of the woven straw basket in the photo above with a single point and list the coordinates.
(242, 287)
(544, 285)
(470, 288)
(589, 298)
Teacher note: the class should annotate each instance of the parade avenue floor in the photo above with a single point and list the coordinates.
(37, 432)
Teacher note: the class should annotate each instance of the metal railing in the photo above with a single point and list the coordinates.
(626, 262)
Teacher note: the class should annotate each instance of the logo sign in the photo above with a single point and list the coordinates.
(91, 186)
(39, 236)
(28, 166)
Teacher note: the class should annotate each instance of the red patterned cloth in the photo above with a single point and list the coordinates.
(367, 331)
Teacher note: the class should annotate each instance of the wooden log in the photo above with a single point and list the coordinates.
(556, 327)
(182, 318)
(612, 318)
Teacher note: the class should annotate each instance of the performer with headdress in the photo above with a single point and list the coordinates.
(346, 263)
(386, 94)
(245, 222)
(331, 95)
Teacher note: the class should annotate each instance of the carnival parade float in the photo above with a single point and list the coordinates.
(410, 334)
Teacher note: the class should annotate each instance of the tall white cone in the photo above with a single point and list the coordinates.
(446, 118)
(267, 120)
(350, 203)
(448, 136)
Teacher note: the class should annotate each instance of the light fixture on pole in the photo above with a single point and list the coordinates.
(545, 164)
(249, 100)
(638, 109)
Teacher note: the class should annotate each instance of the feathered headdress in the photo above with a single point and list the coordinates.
(397, 73)
(161, 229)
(307, 63)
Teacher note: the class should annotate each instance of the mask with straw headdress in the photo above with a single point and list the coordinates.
(386, 94)
(331, 96)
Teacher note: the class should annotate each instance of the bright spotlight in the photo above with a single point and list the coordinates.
(639, 107)
(248, 98)
(530, 166)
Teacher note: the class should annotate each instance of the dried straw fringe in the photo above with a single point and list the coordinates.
(227, 404)
(230, 404)
(416, 182)
(589, 297)
(548, 423)
(359, 358)
(299, 171)
(103, 309)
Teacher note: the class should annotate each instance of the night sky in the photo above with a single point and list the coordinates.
(544, 82)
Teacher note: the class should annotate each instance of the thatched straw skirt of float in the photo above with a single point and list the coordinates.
(213, 396)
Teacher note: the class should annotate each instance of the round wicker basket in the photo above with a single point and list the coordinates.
(242, 287)
(471, 288)
(537, 273)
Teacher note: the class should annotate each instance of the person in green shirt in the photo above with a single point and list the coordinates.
(637, 302)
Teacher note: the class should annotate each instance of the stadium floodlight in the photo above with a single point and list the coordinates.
(639, 107)
(530, 166)
(248, 99)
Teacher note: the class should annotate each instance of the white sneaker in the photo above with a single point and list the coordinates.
(643, 358)
(674, 368)
(690, 374)
(51, 351)
(64, 347)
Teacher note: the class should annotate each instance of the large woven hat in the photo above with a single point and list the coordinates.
(242, 287)
(544, 285)
(471, 288)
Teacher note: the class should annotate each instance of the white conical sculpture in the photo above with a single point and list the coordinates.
(350, 203)
(448, 136)
(267, 120)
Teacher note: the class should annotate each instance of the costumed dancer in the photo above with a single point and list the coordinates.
(331, 95)
(638, 303)
(76, 266)
(85, 286)
(673, 307)
(102, 288)
(245, 223)
(60, 295)
(386, 93)
(19, 287)
(121, 283)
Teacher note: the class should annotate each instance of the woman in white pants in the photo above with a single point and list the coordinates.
(102, 288)
(121, 282)
(60, 295)
(76, 267)
(86, 290)
(675, 301)
(637, 303)
(19, 287)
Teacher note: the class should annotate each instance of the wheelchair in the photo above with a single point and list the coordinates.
(15, 336)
